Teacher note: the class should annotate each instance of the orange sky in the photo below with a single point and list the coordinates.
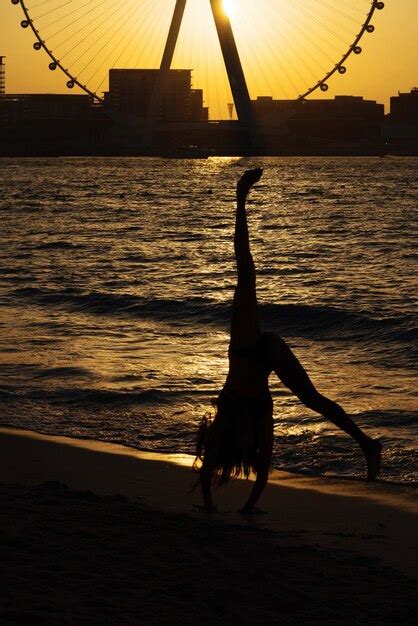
(283, 47)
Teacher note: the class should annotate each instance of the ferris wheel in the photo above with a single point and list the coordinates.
(288, 49)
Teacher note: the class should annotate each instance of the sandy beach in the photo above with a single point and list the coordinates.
(99, 533)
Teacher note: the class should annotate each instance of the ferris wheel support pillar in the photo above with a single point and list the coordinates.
(162, 77)
(234, 70)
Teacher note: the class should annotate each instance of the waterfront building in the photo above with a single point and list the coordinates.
(404, 108)
(401, 126)
(130, 92)
(343, 118)
(50, 124)
(27, 108)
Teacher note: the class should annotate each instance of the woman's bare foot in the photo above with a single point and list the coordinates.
(373, 460)
(247, 180)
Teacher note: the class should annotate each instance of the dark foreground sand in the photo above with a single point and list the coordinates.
(94, 533)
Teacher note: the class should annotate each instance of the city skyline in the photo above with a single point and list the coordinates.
(386, 66)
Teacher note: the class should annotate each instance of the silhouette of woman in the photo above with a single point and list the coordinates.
(240, 437)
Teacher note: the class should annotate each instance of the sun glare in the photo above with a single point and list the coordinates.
(230, 7)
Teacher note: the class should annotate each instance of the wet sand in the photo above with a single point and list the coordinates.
(99, 533)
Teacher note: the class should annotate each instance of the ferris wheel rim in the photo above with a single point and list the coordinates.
(376, 5)
(50, 53)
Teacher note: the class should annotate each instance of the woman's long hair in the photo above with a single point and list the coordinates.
(236, 448)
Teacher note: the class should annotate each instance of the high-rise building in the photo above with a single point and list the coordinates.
(198, 113)
(401, 127)
(404, 108)
(2, 75)
(130, 92)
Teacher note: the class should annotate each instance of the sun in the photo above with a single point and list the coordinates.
(230, 7)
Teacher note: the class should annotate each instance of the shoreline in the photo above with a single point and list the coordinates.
(297, 154)
(98, 534)
(374, 520)
(328, 482)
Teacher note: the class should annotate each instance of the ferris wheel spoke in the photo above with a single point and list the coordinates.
(290, 71)
(88, 35)
(111, 53)
(301, 60)
(307, 37)
(293, 21)
(123, 19)
(112, 58)
(325, 27)
(52, 12)
(148, 23)
(340, 11)
(151, 43)
(70, 25)
(115, 62)
(40, 4)
(76, 10)
(121, 53)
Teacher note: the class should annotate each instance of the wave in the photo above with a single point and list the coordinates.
(393, 419)
(77, 396)
(64, 372)
(105, 303)
(59, 245)
(295, 319)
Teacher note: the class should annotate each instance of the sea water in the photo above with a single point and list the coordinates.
(116, 281)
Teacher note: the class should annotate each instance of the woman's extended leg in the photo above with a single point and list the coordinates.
(245, 323)
(288, 369)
